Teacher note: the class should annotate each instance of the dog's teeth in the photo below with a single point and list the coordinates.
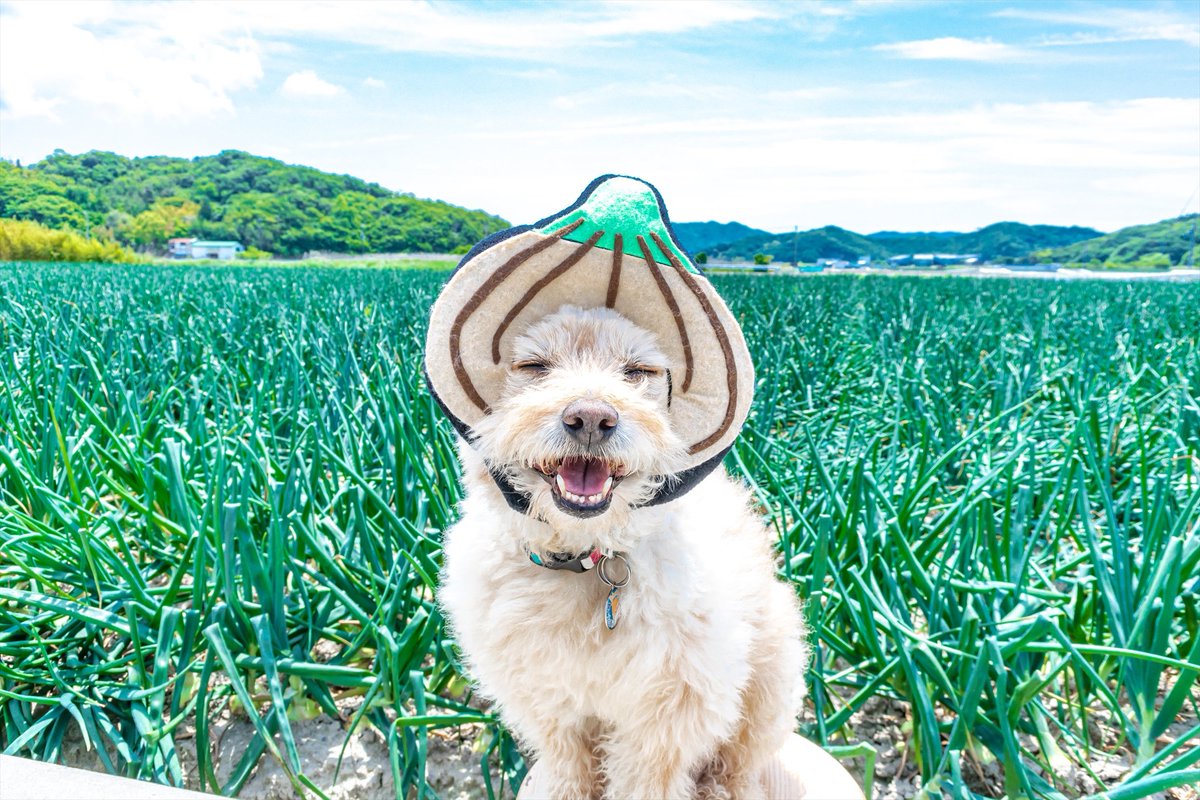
(562, 485)
(607, 487)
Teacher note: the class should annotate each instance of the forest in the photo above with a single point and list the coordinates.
(264, 204)
(1170, 243)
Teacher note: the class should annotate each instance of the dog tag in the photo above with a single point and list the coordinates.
(612, 607)
(612, 603)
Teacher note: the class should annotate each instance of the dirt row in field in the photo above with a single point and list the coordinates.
(454, 759)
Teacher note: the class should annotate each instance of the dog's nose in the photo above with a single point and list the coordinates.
(589, 421)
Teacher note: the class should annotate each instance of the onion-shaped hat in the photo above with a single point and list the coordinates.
(612, 248)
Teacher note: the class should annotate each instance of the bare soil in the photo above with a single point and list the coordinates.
(454, 758)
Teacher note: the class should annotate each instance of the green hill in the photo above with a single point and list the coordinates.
(807, 246)
(1001, 242)
(260, 202)
(1170, 243)
(698, 237)
(916, 242)
(1012, 241)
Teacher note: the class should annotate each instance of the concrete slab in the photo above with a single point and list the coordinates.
(23, 779)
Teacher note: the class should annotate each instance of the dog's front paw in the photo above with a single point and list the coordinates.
(569, 780)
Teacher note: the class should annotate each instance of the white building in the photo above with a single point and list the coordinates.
(225, 251)
(180, 248)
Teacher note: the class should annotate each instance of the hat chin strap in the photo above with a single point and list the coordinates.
(673, 488)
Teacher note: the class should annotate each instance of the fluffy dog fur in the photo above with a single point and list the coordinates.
(701, 680)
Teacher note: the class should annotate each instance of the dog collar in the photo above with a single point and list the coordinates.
(571, 563)
(585, 562)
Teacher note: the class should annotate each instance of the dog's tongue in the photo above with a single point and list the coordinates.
(583, 476)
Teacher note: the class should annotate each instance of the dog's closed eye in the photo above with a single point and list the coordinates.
(640, 372)
(532, 368)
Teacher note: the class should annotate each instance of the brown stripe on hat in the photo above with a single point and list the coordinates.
(495, 279)
(672, 304)
(722, 335)
(568, 262)
(614, 277)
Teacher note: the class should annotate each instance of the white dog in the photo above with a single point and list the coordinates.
(657, 656)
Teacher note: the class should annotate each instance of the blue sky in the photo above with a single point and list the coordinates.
(869, 115)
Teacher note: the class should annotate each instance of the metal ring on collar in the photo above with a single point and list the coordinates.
(602, 570)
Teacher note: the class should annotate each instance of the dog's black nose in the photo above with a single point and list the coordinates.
(589, 421)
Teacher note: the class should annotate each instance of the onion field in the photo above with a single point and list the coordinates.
(222, 491)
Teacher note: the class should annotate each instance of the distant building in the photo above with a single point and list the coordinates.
(953, 258)
(180, 248)
(224, 251)
(932, 260)
(1033, 267)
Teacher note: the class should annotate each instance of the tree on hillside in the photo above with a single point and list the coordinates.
(354, 216)
(167, 218)
(52, 210)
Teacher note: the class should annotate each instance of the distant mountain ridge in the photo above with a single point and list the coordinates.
(1000, 242)
(260, 202)
(699, 236)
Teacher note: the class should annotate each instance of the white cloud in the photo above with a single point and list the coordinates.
(374, 83)
(307, 83)
(177, 59)
(1122, 24)
(543, 74)
(623, 93)
(541, 32)
(176, 62)
(810, 93)
(954, 49)
(1050, 163)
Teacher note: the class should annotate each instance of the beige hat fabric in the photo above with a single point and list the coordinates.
(612, 248)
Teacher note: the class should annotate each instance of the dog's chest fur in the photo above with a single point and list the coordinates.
(534, 636)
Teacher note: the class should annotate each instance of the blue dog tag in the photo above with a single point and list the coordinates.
(612, 607)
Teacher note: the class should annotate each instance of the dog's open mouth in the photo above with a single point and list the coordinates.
(581, 485)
